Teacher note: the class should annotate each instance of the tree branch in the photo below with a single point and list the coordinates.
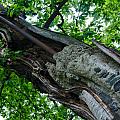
(55, 13)
(60, 25)
(28, 36)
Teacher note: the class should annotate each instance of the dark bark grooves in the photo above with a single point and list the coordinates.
(91, 97)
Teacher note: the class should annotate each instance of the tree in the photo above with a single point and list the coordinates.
(83, 77)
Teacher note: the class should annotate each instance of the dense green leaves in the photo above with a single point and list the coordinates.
(20, 101)
(83, 19)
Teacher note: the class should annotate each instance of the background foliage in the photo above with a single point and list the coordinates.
(83, 19)
(102, 17)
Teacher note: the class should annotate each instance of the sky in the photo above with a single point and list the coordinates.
(1, 118)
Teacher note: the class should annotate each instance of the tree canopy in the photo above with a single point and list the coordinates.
(72, 17)
(80, 19)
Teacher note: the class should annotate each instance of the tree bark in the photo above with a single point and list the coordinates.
(81, 77)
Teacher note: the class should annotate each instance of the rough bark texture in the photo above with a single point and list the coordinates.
(83, 64)
(79, 76)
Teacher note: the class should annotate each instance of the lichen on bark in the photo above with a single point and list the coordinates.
(83, 64)
(83, 61)
(60, 72)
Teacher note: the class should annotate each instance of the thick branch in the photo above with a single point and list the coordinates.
(28, 36)
(52, 36)
(76, 65)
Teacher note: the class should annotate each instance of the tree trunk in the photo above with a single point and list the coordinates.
(79, 76)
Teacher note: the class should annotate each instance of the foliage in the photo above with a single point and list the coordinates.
(20, 101)
(102, 17)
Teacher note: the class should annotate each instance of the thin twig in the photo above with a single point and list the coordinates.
(55, 13)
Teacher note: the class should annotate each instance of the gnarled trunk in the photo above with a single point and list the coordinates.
(81, 77)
